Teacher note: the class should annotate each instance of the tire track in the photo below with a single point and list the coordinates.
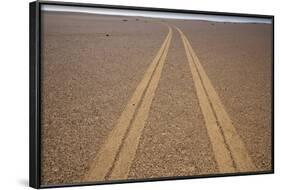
(115, 156)
(229, 149)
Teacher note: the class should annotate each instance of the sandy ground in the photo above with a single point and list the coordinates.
(237, 59)
(174, 141)
(92, 65)
(87, 80)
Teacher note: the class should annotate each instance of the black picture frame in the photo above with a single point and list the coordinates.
(35, 91)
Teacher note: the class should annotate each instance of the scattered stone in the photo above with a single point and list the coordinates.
(55, 169)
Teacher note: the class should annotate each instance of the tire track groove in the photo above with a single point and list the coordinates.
(122, 166)
(131, 122)
(229, 149)
(102, 167)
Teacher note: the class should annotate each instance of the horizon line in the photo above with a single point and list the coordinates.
(153, 14)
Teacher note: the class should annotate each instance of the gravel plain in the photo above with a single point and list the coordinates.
(91, 65)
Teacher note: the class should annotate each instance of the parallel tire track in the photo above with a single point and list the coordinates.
(230, 152)
(114, 158)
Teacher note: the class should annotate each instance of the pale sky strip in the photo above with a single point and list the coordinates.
(152, 14)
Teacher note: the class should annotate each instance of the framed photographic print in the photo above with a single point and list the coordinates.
(131, 94)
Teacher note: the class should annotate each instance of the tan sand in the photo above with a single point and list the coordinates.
(237, 59)
(92, 65)
(87, 79)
